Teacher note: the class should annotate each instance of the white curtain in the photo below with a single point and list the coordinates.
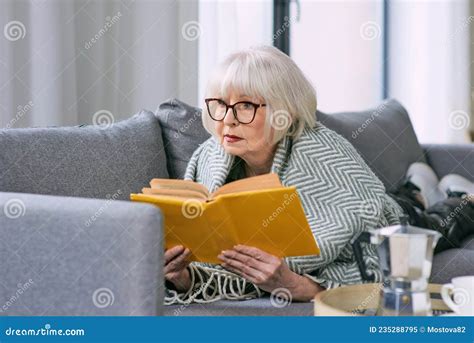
(62, 61)
(227, 26)
(429, 63)
(339, 45)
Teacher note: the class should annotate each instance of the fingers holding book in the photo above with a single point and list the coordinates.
(262, 269)
(268, 272)
(175, 270)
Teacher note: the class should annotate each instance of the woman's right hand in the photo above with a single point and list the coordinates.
(176, 270)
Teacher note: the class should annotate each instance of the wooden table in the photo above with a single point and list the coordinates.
(354, 300)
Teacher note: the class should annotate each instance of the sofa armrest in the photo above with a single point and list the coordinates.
(78, 256)
(451, 159)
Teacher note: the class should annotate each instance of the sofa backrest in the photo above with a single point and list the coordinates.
(183, 131)
(90, 161)
(384, 136)
(98, 162)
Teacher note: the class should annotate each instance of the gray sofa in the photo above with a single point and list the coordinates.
(72, 243)
(78, 246)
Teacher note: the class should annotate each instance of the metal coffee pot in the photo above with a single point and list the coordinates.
(405, 255)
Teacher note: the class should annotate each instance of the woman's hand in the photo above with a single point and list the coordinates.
(176, 270)
(267, 272)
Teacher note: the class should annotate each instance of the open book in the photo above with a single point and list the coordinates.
(256, 211)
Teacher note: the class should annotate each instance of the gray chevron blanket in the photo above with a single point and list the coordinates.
(341, 197)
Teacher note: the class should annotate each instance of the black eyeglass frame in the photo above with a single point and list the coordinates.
(255, 106)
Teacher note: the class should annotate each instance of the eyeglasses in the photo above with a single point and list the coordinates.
(244, 111)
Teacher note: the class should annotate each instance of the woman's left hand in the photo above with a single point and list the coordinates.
(267, 271)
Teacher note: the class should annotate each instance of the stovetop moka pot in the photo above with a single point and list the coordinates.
(405, 256)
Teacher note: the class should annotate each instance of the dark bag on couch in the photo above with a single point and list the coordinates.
(453, 217)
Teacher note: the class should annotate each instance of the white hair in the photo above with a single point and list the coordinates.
(266, 74)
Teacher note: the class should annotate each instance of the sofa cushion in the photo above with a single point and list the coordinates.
(182, 133)
(451, 263)
(89, 161)
(468, 243)
(253, 307)
(451, 159)
(384, 136)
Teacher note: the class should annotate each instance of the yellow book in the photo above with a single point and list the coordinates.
(256, 211)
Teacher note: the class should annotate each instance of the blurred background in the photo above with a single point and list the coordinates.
(62, 61)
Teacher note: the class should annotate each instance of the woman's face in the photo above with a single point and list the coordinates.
(244, 140)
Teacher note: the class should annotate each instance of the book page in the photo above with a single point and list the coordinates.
(166, 198)
(178, 193)
(182, 185)
(266, 181)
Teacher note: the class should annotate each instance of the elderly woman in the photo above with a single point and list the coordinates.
(260, 110)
